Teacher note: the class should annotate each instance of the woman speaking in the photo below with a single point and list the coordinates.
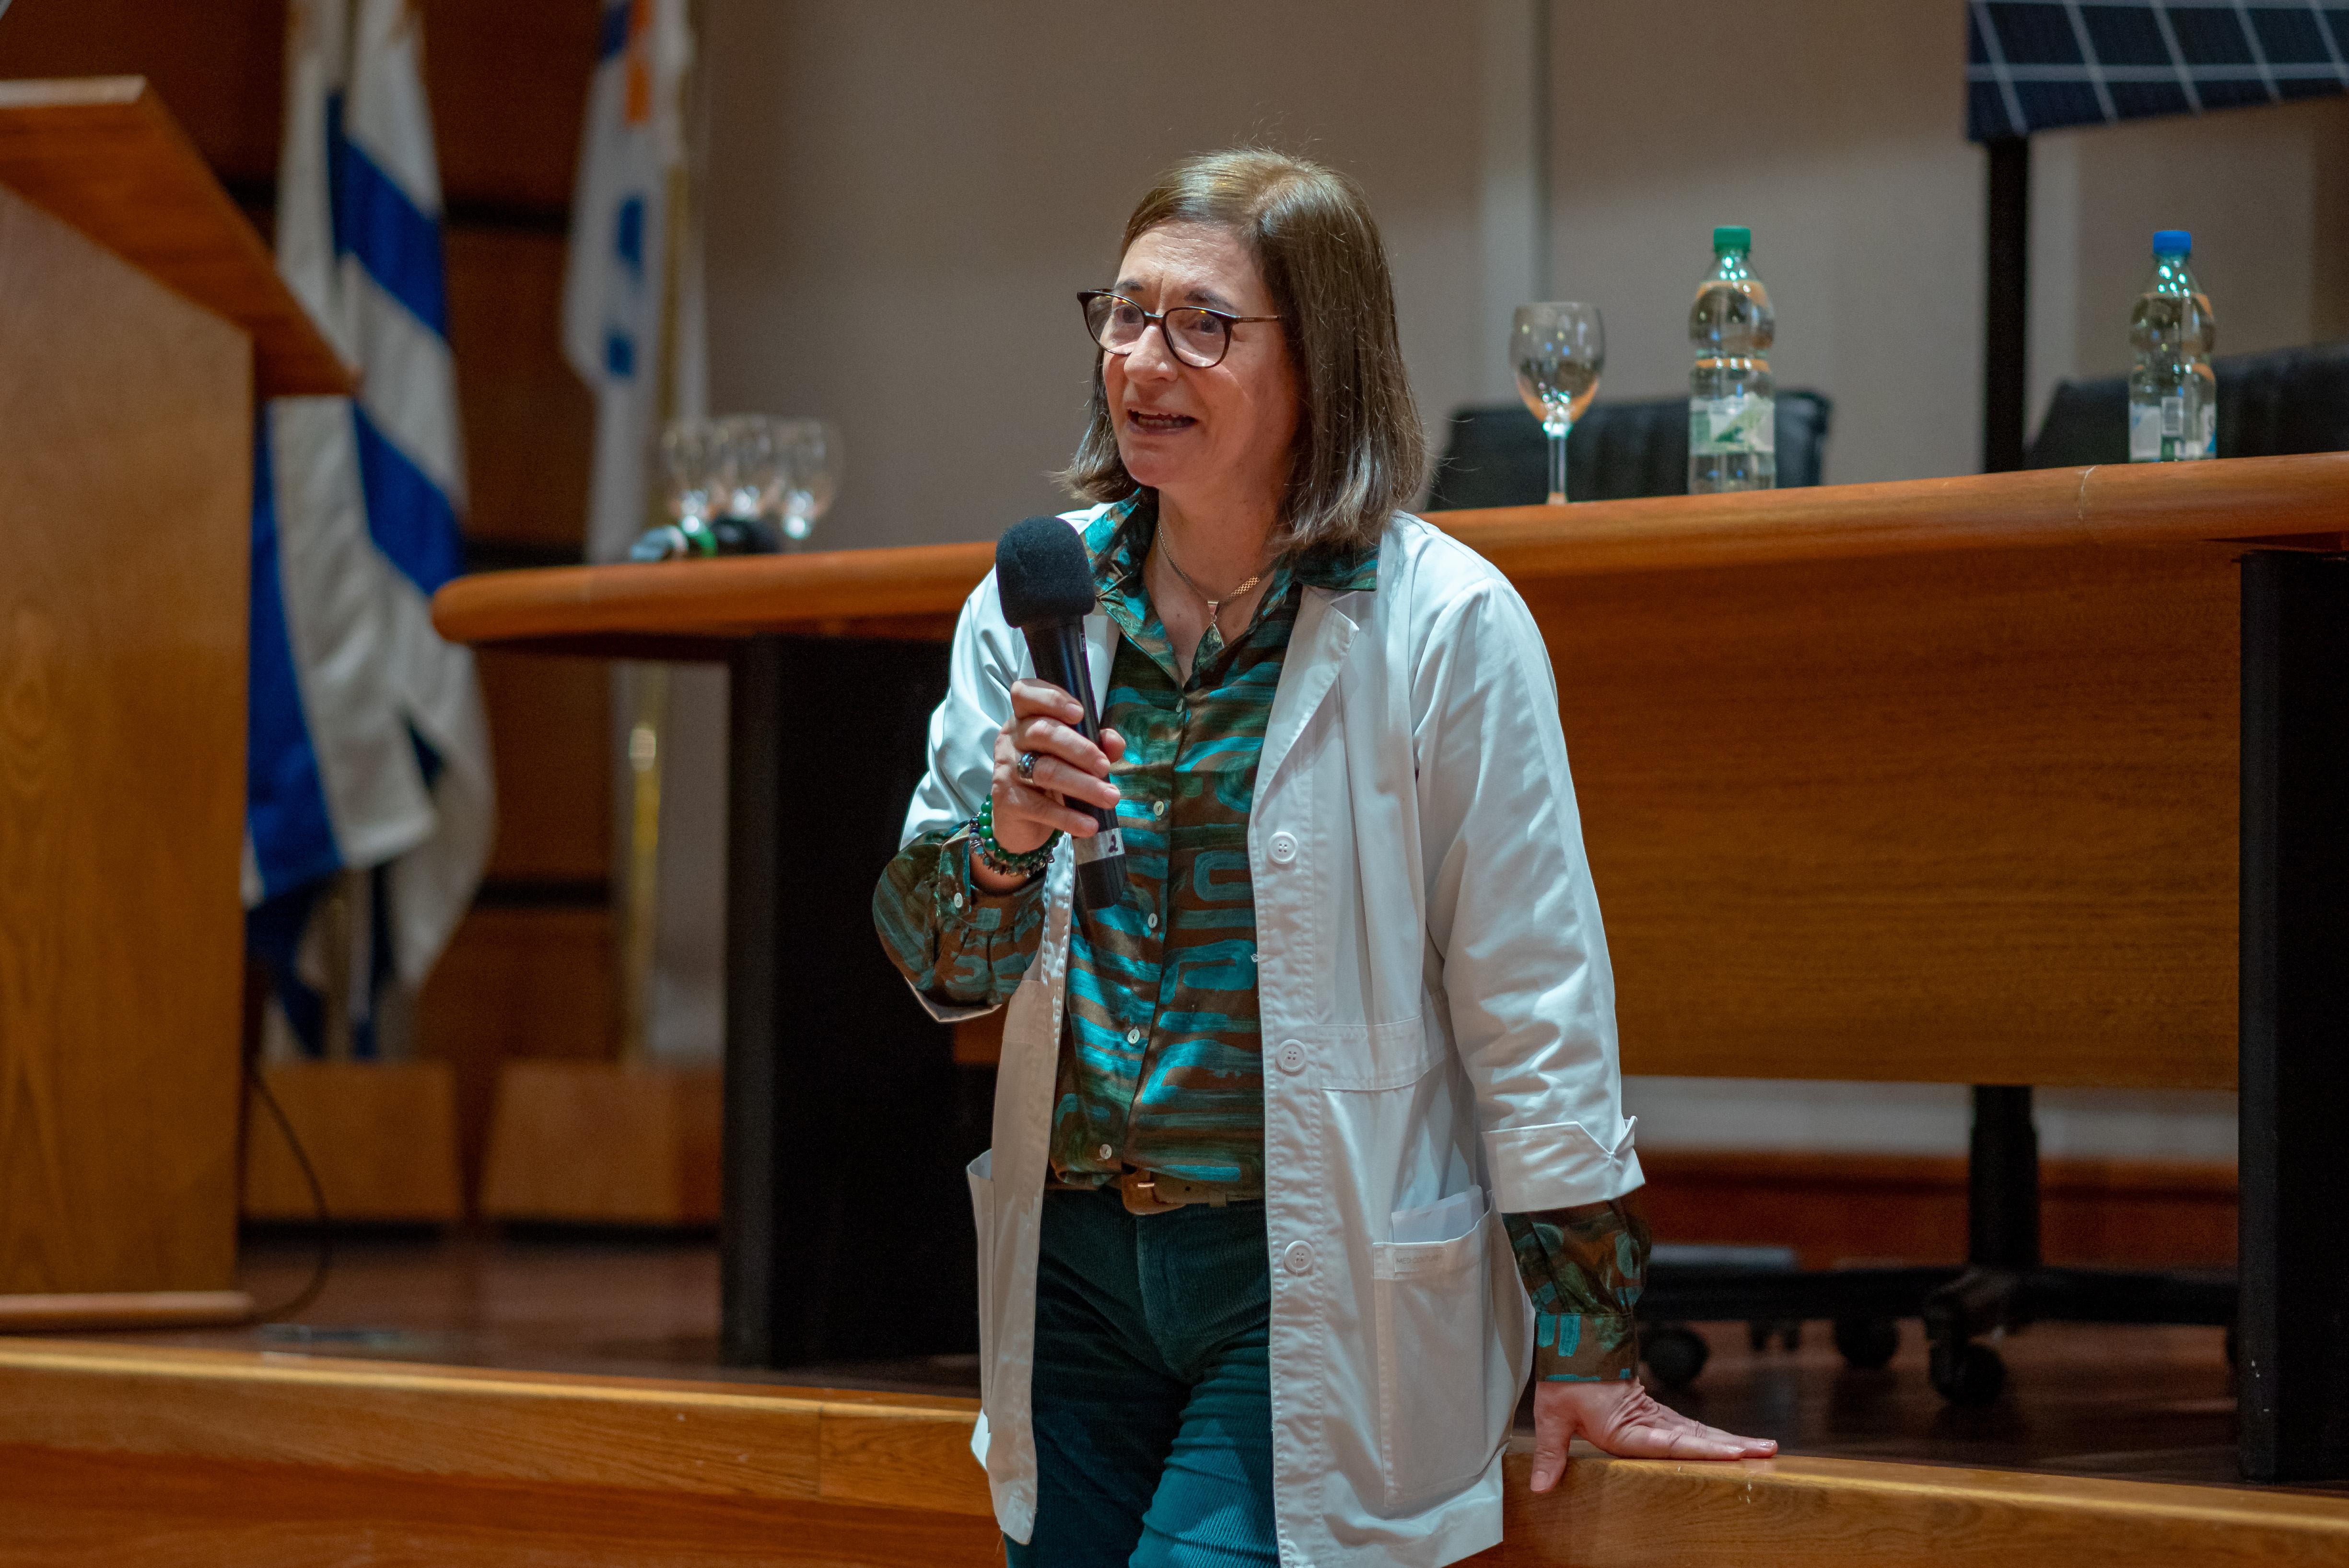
(1278, 1135)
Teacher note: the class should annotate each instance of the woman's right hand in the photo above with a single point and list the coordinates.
(1069, 768)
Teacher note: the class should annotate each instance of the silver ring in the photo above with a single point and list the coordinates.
(1026, 767)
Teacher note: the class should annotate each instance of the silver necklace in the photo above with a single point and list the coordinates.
(1214, 605)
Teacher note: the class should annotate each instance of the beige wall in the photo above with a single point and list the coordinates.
(1847, 159)
(1836, 131)
(2263, 191)
(904, 198)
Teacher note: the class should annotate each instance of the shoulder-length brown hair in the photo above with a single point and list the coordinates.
(1361, 452)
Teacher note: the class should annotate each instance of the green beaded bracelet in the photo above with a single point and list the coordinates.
(982, 832)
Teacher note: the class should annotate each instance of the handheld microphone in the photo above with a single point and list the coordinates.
(1046, 582)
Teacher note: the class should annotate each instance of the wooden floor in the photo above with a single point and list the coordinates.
(519, 1401)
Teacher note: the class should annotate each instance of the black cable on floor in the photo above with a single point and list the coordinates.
(325, 1262)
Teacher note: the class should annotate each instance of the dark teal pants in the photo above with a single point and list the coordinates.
(1153, 1397)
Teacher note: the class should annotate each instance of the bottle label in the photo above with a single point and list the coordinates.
(2164, 433)
(1718, 426)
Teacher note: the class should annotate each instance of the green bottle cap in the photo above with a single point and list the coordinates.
(1731, 237)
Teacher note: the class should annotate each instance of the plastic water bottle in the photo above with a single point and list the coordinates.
(1732, 423)
(2173, 392)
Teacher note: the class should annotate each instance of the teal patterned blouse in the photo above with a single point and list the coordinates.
(1161, 1065)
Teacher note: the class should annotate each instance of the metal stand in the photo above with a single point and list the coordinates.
(2006, 316)
(2001, 1247)
(2294, 1082)
(2003, 1180)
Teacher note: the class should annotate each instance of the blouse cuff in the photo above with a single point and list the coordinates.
(1584, 1268)
(1585, 1348)
(966, 908)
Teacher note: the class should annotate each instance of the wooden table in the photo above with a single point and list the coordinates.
(2030, 778)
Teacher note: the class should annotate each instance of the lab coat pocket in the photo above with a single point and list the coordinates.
(1433, 1425)
(981, 1172)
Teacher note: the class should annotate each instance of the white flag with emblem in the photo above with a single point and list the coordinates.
(633, 316)
(617, 315)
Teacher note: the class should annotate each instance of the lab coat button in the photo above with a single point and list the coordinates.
(1283, 849)
(1297, 1258)
(1291, 1056)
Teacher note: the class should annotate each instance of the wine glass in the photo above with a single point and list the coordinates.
(750, 481)
(692, 452)
(1558, 350)
(750, 478)
(811, 457)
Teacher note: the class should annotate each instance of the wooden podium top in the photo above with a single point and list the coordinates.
(103, 154)
(668, 609)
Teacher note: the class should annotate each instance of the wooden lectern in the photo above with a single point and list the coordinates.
(139, 319)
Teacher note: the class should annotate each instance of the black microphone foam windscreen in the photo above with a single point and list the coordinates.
(1043, 574)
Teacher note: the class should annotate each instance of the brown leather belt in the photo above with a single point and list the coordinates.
(1155, 1192)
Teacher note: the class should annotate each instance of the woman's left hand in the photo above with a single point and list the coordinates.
(1621, 1418)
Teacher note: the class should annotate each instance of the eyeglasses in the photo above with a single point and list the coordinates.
(1199, 337)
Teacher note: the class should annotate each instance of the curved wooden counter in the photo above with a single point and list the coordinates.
(1932, 780)
(666, 610)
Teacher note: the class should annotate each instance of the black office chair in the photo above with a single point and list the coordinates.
(1498, 456)
(2287, 400)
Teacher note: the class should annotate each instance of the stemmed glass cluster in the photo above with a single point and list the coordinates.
(743, 485)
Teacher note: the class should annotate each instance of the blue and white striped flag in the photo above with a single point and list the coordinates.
(369, 745)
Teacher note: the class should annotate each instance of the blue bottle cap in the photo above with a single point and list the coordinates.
(2172, 243)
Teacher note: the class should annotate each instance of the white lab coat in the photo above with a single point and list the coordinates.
(1437, 1014)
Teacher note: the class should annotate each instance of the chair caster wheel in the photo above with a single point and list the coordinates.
(1967, 1375)
(1867, 1343)
(1675, 1354)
